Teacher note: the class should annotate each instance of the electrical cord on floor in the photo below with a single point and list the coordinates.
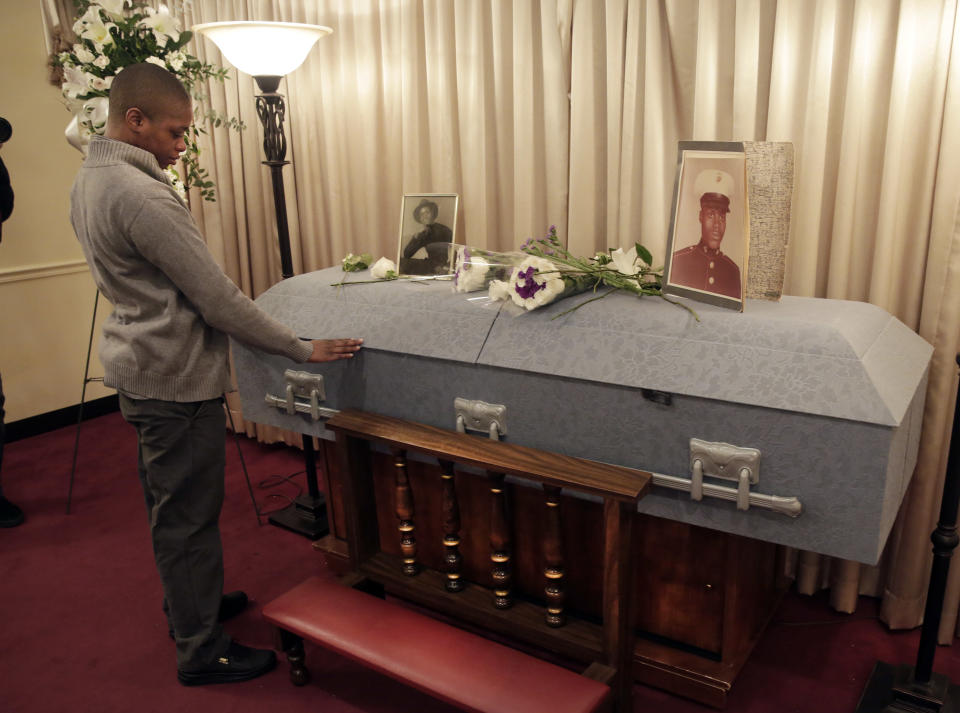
(275, 481)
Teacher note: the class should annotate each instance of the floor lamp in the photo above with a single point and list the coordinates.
(268, 51)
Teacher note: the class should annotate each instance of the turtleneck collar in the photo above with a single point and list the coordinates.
(104, 151)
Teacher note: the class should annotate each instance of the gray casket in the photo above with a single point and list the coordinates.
(795, 422)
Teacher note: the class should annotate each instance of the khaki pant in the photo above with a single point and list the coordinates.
(181, 463)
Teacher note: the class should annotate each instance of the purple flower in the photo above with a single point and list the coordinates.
(526, 286)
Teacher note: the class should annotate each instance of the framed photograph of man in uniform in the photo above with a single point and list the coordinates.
(709, 224)
(427, 225)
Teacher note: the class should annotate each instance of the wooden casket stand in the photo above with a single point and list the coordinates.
(700, 598)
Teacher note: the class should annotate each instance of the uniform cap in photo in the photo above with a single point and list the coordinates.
(714, 185)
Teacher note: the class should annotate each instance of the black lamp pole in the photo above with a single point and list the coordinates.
(271, 109)
(916, 689)
(307, 515)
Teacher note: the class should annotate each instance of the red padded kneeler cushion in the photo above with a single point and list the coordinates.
(448, 663)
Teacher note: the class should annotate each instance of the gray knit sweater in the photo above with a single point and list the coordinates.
(173, 307)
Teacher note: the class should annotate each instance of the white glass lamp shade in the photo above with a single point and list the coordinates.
(263, 49)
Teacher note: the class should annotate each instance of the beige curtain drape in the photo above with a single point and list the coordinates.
(867, 92)
(568, 112)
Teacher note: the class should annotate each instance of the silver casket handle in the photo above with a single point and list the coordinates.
(302, 394)
(480, 416)
(727, 462)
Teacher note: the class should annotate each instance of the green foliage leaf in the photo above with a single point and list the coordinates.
(644, 255)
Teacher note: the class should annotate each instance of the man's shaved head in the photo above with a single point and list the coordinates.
(151, 110)
(152, 89)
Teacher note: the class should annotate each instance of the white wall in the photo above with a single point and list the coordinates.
(46, 293)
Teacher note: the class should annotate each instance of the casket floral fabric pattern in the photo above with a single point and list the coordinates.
(112, 34)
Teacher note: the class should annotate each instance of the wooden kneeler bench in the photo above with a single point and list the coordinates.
(441, 660)
(445, 661)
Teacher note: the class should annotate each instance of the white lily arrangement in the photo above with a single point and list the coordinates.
(112, 34)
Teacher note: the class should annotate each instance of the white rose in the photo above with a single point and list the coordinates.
(102, 61)
(83, 54)
(176, 61)
(99, 83)
(381, 267)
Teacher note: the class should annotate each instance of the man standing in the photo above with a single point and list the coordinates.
(164, 349)
(703, 266)
(10, 514)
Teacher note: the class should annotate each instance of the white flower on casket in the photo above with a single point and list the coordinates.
(536, 282)
(472, 274)
(382, 268)
(499, 290)
(625, 262)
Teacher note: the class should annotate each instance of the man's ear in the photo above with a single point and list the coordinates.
(134, 119)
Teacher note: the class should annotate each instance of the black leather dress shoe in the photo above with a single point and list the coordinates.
(231, 604)
(238, 663)
(10, 514)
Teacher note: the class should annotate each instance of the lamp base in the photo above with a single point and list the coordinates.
(891, 689)
(307, 516)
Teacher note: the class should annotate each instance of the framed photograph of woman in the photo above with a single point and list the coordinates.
(427, 225)
(709, 224)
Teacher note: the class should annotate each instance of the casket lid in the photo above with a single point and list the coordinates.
(833, 358)
(423, 318)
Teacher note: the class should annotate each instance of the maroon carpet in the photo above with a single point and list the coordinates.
(82, 628)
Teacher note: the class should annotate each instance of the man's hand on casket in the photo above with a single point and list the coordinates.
(333, 349)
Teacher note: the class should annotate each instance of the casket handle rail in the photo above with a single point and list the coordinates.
(476, 415)
(303, 393)
(727, 462)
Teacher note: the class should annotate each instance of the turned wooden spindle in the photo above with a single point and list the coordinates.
(501, 568)
(553, 557)
(451, 528)
(404, 496)
(293, 648)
